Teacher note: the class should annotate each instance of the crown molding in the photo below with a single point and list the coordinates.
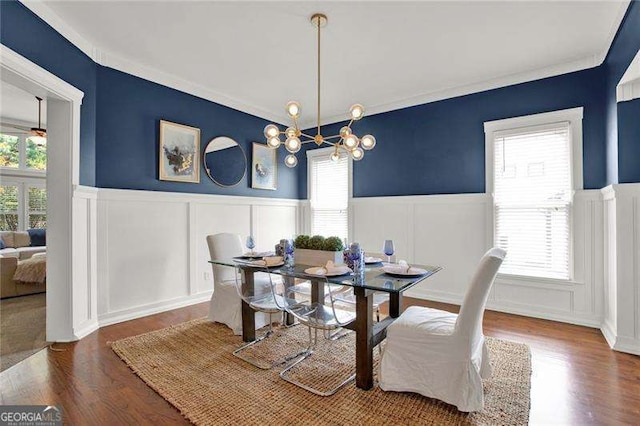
(148, 73)
(174, 82)
(629, 85)
(453, 92)
(44, 12)
(613, 31)
(110, 60)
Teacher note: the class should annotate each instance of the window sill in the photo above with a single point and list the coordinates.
(532, 280)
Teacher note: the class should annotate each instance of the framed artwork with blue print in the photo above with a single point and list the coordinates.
(179, 152)
(264, 169)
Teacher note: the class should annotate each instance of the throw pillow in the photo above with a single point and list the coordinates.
(38, 237)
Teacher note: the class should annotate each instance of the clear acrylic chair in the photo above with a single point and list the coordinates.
(323, 315)
(260, 298)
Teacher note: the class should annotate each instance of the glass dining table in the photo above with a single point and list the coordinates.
(368, 333)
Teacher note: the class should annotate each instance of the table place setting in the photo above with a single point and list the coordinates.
(329, 270)
(403, 270)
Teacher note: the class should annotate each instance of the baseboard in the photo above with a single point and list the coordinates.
(86, 329)
(608, 333)
(456, 299)
(152, 308)
(628, 345)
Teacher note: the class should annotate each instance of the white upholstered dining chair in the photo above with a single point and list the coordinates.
(439, 354)
(226, 305)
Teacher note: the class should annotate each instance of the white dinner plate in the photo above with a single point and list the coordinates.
(395, 272)
(312, 271)
(372, 260)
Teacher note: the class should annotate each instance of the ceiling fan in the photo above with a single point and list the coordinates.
(37, 135)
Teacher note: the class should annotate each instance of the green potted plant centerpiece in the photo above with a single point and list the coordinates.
(317, 250)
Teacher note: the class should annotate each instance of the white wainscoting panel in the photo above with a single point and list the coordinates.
(621, 326)
(152, 250)
(453, 231)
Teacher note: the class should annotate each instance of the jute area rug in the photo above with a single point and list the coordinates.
(191, 365)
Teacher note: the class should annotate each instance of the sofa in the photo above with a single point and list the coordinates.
(22, 245)
(17, 247)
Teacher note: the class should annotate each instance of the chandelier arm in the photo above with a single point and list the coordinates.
(333, 137)
(306, 135)
(295, 123)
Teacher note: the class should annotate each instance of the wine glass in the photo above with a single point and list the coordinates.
(387, 248)
(251, 244)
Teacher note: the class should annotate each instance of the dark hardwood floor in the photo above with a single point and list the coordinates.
(576, 378)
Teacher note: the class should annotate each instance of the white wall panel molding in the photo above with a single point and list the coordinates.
(182, 197)
(451, 231)
(140, 311)
(152, 251)
(621, 325)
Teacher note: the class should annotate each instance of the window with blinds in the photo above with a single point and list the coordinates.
(329, 195)
(532, 199)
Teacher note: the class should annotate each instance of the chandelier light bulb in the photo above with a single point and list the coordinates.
(271, 131)
(351, 142)
(367, 142)
(290, 160)
(357, 154)
(356, 111)
(274, 142)
(290, 132)
(345, 131)
(335, 156)
(293, 145)
(293, 109)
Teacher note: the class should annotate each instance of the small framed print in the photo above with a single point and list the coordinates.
(264, 169)
(179, 152)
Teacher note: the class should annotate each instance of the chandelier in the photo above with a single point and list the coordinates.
(346, 140)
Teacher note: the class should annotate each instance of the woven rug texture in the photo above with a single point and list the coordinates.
(191, 365)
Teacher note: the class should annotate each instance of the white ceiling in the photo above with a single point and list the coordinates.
(256, 56)
(20, 107)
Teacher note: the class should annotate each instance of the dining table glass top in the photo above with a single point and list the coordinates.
(375, 278)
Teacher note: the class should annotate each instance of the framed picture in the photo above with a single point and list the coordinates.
(264, 169)
(179, 152)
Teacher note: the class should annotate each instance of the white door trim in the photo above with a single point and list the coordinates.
(70, 286)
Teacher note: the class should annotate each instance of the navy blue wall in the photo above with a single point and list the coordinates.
(28, 35)
(129, 111)
(629, 141)
(438, 148)
(622, 51)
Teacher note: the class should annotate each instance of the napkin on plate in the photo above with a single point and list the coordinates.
(402, 268)
(372, 259)
(268, 261)
(331, 269)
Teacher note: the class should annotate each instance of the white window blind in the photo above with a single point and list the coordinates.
(329, 196)
(532, 200)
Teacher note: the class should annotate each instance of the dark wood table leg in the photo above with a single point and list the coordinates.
(364, 338)
(395, 305)
(248, 314)
(288, 282)
(317, 291)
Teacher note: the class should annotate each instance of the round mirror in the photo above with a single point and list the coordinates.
(224, 161)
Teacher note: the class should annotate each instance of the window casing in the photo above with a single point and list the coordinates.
(329, 187)
(534, 166)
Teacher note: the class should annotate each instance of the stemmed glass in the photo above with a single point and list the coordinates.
(387, 248)
(251, 244)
